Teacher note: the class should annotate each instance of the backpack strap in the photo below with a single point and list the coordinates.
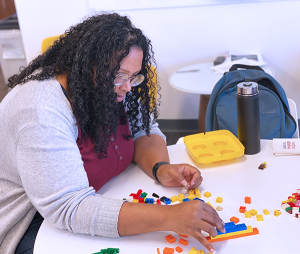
(244, 66)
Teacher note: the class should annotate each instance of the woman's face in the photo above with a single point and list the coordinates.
(130, 65)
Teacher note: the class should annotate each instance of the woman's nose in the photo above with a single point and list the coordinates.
(126, 86)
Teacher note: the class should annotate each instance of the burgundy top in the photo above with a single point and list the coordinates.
(119, 151)
(119, 155)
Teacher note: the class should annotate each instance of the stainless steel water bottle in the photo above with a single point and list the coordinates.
(248, 116)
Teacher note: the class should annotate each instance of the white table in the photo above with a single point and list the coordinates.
(232, 180)
(200, 82)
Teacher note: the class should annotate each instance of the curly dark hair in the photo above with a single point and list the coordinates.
(100, 41)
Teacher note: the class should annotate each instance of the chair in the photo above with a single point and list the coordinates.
(293, 111)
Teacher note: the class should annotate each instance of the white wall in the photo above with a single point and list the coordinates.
(184, 36)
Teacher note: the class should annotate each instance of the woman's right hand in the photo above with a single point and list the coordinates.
(189, 218)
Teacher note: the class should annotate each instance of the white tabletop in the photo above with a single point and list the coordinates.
(232, 180)
(199, 82)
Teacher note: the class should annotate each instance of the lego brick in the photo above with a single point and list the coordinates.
(285, 205)
(185, 236)
(155, 195)
(248, 200)
(253, 212)
(242, 209)
(178, 249)
(234, 219)
(277, 213)
(219, 208)
(167, 201)
(230, 227)
(266, 212)
(135, 201)
(170, 238)
(174, 199)
(197, 193)
(191, 196)
(253, 232)
(158, 202)
(198, 199)
(207, 194)
(181, 196)
(144, 194)
(149, 200)
(183, 241)
(158, 252)
(259, 217)
(168, 250)
(185, 200)
(247, 214)
(219, 200)
(191, 192)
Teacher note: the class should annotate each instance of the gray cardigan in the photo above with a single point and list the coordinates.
(41, 167)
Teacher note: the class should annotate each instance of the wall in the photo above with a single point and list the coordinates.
(184, 36)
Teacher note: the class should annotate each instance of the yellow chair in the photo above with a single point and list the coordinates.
(48, 42)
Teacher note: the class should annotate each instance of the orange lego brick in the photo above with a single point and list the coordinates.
(184, 242)
(248, 200)
(255, 232)
(178, 249)
(185, 236)
(168, 250)
(170, 238)
(234, 219)
(158, 252)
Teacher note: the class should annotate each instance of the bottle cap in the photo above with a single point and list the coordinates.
(247, 87)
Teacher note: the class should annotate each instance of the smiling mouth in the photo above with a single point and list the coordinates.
(120, 98)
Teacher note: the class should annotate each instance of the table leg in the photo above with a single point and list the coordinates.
(202, 111)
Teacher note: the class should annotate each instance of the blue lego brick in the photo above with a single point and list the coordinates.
(149, 200)
(185, 200)
(198, 199)
(167, 201)
(231, 227)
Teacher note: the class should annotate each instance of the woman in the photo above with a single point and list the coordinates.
(75, 118)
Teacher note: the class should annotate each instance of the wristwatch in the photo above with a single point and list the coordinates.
(155, 168)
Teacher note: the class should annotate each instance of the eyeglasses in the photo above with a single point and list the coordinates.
(134, 80)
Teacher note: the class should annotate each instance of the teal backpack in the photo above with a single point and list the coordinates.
(275, 118)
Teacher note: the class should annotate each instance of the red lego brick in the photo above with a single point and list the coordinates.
(242, 209)
(158, 202)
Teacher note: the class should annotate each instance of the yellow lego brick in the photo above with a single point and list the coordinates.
(294, 201)
(266, 212)
(135, 201)
(207, 194)
(277, 213)
(180, 200)
(191, 196)
(193, 251)
(253, 212)
(181, 196)
(219, 200)
(259, 217)
(197, 193)
(247, 214)
(209, 204)
(248, 230)
(285, 201)
(201, 252)
(191, 192)
(174, 199)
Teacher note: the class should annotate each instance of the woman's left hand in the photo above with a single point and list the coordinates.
(176, 175)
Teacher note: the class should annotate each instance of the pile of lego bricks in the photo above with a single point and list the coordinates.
(292, 204)
(141, 197)
(108, 251)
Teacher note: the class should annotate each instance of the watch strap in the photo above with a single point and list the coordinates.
(155, 168)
